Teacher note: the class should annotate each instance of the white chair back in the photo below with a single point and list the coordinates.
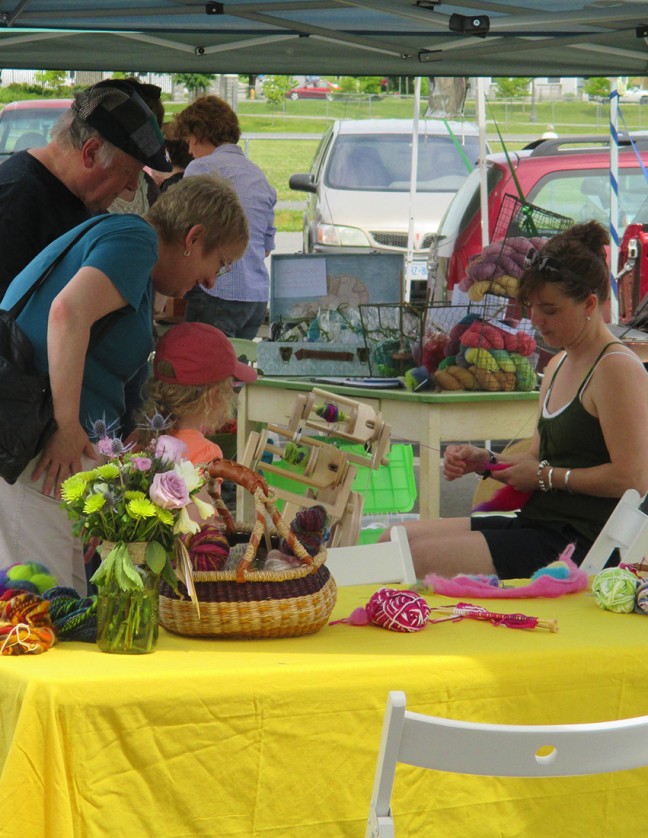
(497, 751)
(627, 529)
(367, 564)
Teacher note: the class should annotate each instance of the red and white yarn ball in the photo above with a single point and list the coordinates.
(396, 610)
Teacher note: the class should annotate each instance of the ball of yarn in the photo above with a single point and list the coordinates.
(208, 548)
(33, 577)
(403, 611)
(614, 589)
(641, 597)
(309, 526)
(74, 617)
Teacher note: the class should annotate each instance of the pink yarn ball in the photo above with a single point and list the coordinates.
(403, 611)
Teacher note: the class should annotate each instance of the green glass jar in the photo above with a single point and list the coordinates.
(127, 621)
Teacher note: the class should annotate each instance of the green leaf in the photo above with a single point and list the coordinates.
(105, 570)
(155, 556)
(131, 578)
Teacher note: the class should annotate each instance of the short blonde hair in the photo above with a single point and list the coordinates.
(209, 200)
(215, 401)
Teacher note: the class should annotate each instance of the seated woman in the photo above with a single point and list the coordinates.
(590, 444)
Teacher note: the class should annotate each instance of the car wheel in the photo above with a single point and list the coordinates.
(294, 96)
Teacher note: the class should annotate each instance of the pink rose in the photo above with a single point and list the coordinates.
(169, 448)
(169, 491)
(142, 463)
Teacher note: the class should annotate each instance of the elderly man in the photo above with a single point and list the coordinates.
(97, 150)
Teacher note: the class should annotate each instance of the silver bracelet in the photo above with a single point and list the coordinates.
(550, 478)
(542, 485)
(567, 476)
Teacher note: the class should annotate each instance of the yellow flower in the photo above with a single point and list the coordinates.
(164, 515)
(184, 523)
(108, 471)
(205, 510)
(132, 494)
(73, 488)
(140, 508)
(93, 503)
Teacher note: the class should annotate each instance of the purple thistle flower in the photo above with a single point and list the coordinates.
(100, 428)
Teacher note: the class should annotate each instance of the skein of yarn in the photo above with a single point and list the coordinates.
(614, 589)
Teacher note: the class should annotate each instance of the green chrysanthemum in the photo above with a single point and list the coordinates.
(108, 471)
(134, 494)
(141, 508)
(73, 488)
(164, 515)
(93, 503)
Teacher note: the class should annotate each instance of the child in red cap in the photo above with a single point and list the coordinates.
(194, 370)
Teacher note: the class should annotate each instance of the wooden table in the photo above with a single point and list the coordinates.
(428, 419)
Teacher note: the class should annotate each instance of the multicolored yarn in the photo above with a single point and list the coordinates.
(74, 617)
(293, 453)
(208, 548)
(330, 413)
(641, 598)
(402, 611)
(309, 525)
(25, 625)
(614, 589)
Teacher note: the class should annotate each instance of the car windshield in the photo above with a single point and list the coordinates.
(383, 162)
(28, 128)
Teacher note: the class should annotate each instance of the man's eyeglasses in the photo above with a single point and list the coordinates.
(226, 267)
(544, 264)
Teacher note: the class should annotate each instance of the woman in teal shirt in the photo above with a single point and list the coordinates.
(190, 236)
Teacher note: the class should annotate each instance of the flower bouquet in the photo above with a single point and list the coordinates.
(135, 507)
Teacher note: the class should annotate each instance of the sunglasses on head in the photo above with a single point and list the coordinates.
(547, 264)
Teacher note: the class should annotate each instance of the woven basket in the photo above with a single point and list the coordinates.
(253, 603)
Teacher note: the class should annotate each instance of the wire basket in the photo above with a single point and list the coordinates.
(479, 346)
(518, 218)
(392, 335)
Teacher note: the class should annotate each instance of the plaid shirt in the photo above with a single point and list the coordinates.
(248, 280)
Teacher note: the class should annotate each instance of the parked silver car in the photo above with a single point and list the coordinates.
(359, 183)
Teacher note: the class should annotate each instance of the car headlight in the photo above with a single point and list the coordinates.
(331, 234)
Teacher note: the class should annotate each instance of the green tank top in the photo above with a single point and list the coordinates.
(572, 438)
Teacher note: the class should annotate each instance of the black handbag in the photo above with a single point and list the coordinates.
(26, 409)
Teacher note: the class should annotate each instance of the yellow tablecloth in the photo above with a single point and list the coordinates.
(278, 738)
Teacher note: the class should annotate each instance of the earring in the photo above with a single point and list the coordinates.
(587, 317)
(187, 253)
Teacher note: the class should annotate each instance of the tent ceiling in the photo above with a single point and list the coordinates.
(346, 37)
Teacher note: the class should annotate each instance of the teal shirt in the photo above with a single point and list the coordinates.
(124, 248)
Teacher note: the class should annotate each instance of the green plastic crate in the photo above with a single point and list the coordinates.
(390, 488)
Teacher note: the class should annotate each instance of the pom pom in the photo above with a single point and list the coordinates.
(614, 589)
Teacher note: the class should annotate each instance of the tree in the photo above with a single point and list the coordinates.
(276, 87)
(51, 79)
(597, 87)
(511, 87)
(196, 83)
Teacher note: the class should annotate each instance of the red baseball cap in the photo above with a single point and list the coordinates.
(198, 353)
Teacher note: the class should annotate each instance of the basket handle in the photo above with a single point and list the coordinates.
(264, 501)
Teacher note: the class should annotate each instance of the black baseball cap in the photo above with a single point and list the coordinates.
(120, 115)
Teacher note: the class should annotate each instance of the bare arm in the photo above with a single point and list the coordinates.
(87, 297)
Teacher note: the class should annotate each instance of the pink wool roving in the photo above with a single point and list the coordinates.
(403, 611)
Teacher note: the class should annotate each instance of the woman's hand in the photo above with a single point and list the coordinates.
(522, 475)
(62, 457)
(463, 459)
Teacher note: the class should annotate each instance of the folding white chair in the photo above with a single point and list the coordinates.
(627, 529)
(366, 564)
(497, 751)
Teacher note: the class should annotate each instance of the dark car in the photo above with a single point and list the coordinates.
(314, 90)
(28, 124)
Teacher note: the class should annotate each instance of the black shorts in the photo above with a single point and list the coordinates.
(519, 547)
